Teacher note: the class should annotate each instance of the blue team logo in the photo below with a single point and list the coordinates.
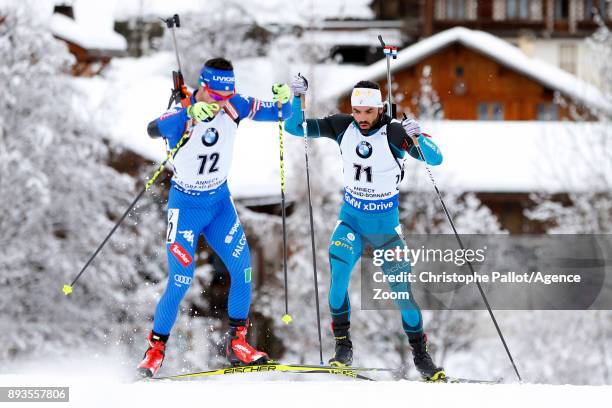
(210, 137)
(364, 150)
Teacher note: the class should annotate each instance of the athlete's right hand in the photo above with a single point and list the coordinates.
(299, 85)
(201, 111)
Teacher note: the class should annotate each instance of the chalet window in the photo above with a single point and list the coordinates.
(591, 7)
(498, 112)
(456, 9)
(490, 111)
(517, 9)
(547, 111)
(535, 10)
(567, 57)
(561, 9)
(64, 9)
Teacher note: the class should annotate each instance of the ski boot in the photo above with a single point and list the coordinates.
(423, 362)
(238, 351)
(343, 355)
(154, 356)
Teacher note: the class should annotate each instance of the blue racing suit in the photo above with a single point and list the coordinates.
(200, 202)
(373, 167)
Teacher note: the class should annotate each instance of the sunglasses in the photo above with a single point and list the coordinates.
(217, 96)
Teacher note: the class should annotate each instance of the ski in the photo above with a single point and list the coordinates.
(455, 380)
(353, 372)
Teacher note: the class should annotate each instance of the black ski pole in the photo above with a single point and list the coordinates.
(469, 264)
(312, 239)
(388, 54)
(178, 95)
(68, 287)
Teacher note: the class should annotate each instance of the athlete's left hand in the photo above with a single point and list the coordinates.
(282, 93)
(412, 127)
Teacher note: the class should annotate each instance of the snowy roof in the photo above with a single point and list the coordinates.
(519, 156)
(501, 51)
(83, 34)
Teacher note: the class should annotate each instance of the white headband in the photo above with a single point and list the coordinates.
(366, 97)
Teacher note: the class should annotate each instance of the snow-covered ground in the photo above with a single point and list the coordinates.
(105, 378)
(105, 388)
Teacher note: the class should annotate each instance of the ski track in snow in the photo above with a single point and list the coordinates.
(107, 386)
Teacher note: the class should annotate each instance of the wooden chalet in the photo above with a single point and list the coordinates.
(477, 76)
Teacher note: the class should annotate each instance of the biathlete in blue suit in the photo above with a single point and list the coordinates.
(373, 148)
(200, 203)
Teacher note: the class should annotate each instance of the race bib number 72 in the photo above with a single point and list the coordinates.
(173, 215)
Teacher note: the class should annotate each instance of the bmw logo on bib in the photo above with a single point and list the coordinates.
(364, 150)
(210, 137)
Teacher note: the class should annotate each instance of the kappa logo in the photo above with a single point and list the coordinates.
(180, 254)
(188, 235)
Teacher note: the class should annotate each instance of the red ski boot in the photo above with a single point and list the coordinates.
(238, 351)
(154, 356)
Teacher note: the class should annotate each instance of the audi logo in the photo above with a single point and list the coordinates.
(185, 280)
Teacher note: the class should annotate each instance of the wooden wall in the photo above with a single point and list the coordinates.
(485, 81)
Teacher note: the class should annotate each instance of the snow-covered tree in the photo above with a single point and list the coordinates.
(225, 29)
(590, 201)
(451, 331)
(60, 197)
(570, 347)
(426, 99)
